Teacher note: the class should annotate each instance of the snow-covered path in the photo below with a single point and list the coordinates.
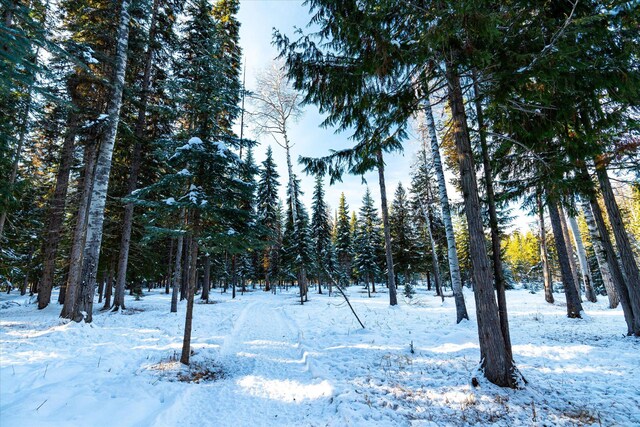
(269, 380)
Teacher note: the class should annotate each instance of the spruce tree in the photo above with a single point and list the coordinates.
(343, 241)
(321, 235)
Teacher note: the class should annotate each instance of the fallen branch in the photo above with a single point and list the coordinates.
(344, 296)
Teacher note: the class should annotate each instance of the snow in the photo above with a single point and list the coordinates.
(170, 201)
(280, 363)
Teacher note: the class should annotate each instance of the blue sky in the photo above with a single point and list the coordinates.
(258, 18)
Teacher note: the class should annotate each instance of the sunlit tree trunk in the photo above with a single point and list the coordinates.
(452, 252)
(498, 366)
(544, 254)
(83, 308)
(582, 259)
(601, 256)
(574, 306)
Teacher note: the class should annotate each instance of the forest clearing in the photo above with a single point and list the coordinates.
(275, 362)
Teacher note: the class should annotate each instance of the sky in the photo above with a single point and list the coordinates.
(258, 18)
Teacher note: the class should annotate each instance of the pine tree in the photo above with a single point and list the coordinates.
(267, 214)
(367, 244)
(343, 241)
(402, 238)
(321, 235)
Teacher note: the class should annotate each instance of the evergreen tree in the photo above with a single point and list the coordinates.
(267, 215)
(402, 238)
(321, 235)
(343, 241)
(368, 245)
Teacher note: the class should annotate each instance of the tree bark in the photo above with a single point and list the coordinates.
(101, 284)
(393, 299)
(498, 367)
(452, 251)
(544, 254)
(574, 306)
(79, 233)
(136, 160)
(191, 290)
(570, 253)
(582, 258)
(56, 212)
(86, 285)
(206, 282)
(169, 269)
(109, 286)
(177, 274)
(601, 256)
(498, 274)
(627, 260)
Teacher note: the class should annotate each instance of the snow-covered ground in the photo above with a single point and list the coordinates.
(274, 362)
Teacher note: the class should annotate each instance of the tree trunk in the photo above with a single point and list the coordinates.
(582, 258)
(79, 233)
(177, 274)
(574, 306)
(185, 269)
(570, 253)
(191, 290)
(25, 282)
(56, 212)
(206, 280)
(498, 274)
(627, 260)
(233, 277)
(452, 252)
(393, 299)
(434, 256)
(101, 284)
(544, 255)
(109, 286)
(136, 160)
(601, 256)
(498, 367)
(167, 282)
(84, 299)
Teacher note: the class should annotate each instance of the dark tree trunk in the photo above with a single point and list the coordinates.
(544, 255)
(498, 274)
(574, 306)
(206, 283)
(393, 299)
(177, 275)
(627, 260)
(185, 269)
(498, 366)
(167, 282)
(233, 277)
(25, 282)
(56, 213)
(191, 290)
(109, 287)
(101, 285)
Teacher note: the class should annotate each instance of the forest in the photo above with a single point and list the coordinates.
(138, 228)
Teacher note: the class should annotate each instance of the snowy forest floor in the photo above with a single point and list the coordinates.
(263, 359)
